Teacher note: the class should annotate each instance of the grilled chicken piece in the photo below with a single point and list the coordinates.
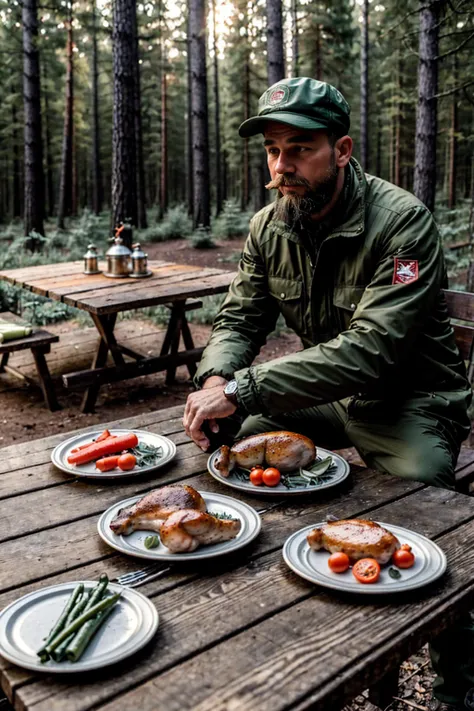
(355, 537)
(149, 512)
(284, 450)
(184, 531)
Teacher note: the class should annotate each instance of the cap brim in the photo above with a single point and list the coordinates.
(256, 124)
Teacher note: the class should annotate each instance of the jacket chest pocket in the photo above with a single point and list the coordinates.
(346, 300)
(288, 294)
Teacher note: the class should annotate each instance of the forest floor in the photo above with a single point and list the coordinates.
(25, 417)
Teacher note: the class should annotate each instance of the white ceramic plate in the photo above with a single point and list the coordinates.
(134, 544)
(60, 454)
(340, 471)
(25, 623)
(430, 564)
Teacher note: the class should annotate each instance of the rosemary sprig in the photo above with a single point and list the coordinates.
(320, 473)
(147, 454)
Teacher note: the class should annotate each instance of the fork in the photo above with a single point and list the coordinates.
(156, 570)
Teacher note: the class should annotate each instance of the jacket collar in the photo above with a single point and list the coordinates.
(352, 202)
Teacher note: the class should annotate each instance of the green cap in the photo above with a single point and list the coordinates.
(303, 103)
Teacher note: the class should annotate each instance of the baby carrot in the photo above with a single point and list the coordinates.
(97, 450)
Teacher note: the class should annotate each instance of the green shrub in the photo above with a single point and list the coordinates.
(201, 238)
(176, 224)
(232, 222)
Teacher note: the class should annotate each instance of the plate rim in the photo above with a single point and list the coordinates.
(269, 491)
(366, 589)
(149, 632)
(110, 475)
(177, 557)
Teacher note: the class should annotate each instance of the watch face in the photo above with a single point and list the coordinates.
(231, 388)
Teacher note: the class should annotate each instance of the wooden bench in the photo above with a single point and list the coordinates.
(39, 342)
(461, 311)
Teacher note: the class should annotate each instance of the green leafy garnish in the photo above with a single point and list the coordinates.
(147, 454)
(394, 573)
(321, 472)
(223, 516)
(152, 542)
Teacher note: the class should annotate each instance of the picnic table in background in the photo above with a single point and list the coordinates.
(240, 631)
(178, 286)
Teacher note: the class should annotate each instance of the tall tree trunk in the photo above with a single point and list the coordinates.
(190, 176)
(97, 191)
(398, 122)
(141, 188)
(453, 141)
(217, 128)
(225, 174)
(245, 192)
(159, 82)
(164, 145)
(47, 139)
(202, 203)
(275, 53)
(34, 180)
(364, 87)
(318, 62)
(67, 182)
(426, 116)
(295, 39)
(378, 155)
(16, 201)
(124, 175)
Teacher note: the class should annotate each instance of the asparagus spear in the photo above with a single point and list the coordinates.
(79, 621)
(58, 654)
(80, 641)
(93, 597)
(70, 604)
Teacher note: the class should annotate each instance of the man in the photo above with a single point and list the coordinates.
(355, 266)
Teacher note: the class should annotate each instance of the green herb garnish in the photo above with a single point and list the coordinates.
(147, 454)
(394, 573)
(152, 542)
(223, 516)
(321, 472)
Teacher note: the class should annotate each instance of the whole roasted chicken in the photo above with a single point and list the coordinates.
(148, 513)
(286, 451)
(357, 538)
(183, 531)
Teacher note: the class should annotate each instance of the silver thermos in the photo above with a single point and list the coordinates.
(139, 262)
(119, 263)
(91, 260)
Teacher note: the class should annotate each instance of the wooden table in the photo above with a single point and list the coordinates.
(242, 632)
(104, 298)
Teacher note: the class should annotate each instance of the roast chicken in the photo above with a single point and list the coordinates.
(148, 513)
(183, 531)
(355, 537)
(286, 451)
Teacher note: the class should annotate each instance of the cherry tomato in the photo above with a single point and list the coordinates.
(366, 570)
(271, 476)
(126, 461)
(256, 476)
(338, 562)
(403, 557)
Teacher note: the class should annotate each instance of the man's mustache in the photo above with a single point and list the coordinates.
(286, 181)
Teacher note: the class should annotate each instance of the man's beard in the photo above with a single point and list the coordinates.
(292, 207)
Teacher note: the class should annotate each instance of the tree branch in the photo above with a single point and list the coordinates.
(452, 91)
(455, 49)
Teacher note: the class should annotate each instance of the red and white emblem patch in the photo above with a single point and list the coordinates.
(405, 271)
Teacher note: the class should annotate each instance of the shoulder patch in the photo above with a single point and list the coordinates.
(405, 271)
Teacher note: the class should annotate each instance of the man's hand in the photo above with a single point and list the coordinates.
(209, 403)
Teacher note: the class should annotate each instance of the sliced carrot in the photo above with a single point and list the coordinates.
(105, 435)
(97, 450)
(107, 464)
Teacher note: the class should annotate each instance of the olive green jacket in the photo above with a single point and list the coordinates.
(363, 334)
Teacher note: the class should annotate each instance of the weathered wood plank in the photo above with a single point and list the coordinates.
(213, 608)
(24, 274)
(460, 304)
(111, 303)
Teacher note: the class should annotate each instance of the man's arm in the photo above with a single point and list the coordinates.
(383, 329)
(248, 314)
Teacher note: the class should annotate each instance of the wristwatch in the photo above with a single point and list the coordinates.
(230, 392)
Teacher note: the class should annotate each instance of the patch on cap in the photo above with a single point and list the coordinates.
(405, 271)
(278, 95)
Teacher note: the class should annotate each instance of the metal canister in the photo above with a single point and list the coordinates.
(139, 262)
(119, 262)
(91, 260)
